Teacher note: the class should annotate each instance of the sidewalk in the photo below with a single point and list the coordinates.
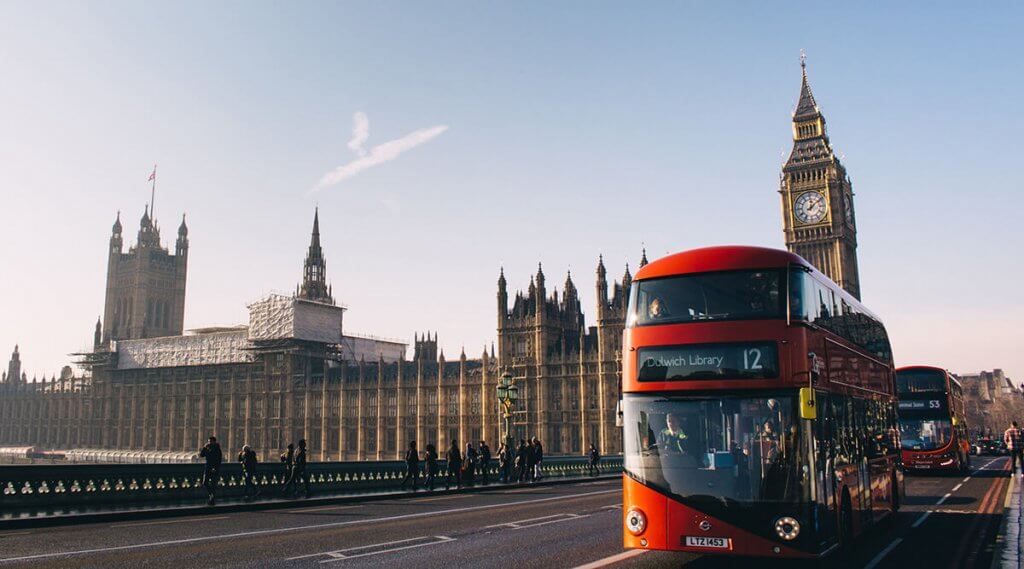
(1009, 545)
(20, 520)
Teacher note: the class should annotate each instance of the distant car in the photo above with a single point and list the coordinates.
(993, 448)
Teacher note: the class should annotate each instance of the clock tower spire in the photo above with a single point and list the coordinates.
(817, 196)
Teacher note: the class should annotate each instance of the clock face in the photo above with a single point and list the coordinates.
(810, 207)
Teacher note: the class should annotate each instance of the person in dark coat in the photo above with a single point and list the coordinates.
(211, 472)
(594, 457)
(298, 471)
(430, 471)
(288, 460)
(522, 460)
(531, 460)
(248, 460)
(412, 465)
(538, 457)
(454, 466)
(503, 463)
(469, 462)
(485, 461)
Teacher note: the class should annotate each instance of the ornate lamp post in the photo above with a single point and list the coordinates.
(508, 395)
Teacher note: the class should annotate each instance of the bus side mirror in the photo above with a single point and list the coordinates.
(808, 404)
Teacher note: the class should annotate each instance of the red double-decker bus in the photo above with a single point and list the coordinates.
(933, 422)
(759, 408)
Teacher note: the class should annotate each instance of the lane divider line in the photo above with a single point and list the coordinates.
(881, 554)
(957, 487)
(273, 531)
(921, 520)
(131, 525)
(610, 560)
(943, 499)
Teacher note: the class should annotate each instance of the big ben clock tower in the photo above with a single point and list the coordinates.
(817, 198)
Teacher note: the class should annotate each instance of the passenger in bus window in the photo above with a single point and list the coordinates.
(657, 309)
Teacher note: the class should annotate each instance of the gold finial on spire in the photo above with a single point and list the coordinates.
(803, 59)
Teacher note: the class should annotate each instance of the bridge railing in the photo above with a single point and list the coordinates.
(41, 488)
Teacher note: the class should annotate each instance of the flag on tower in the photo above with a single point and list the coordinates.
(153, 175)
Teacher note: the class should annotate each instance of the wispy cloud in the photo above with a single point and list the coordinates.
(379, 154)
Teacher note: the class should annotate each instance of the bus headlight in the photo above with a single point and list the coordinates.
(787, 528)
(636, 521)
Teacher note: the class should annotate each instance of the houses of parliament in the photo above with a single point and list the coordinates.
(293, 373)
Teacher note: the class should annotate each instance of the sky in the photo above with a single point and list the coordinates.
(445, 140)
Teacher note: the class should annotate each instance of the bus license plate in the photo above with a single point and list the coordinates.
(712, 542)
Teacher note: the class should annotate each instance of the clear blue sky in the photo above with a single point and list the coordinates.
(573, 129)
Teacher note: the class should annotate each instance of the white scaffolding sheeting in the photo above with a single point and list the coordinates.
(279, 317)
(359, 348)
(173, 351)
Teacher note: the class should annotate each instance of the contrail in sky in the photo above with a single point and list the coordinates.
(384, 152)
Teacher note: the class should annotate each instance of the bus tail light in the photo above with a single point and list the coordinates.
(787, 528)
(636, 521)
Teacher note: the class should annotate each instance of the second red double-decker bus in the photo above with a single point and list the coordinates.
(759, 408)
(933, 422)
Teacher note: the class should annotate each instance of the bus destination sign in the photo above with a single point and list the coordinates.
(709, 361)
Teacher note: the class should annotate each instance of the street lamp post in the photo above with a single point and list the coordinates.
(508, 395)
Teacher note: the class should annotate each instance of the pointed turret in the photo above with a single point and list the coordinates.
(643, 257)
(97, 335)
(806, 106)
(181, 246)
(314, 278)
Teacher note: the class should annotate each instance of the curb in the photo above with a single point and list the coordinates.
(999, 554)
(202, 510)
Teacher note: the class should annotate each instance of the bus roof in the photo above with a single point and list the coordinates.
(736, 258)
(952, 377)
(722, 258)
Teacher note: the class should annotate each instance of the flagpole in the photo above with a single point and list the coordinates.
(152, 194)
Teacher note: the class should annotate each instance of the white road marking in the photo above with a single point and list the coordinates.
(881, 555)
(435, 499)
(181, 521)
(921, 519)
(352, 552)
(943, 499)
(612, 559)
(965, 479)
(324, 509)
(534, 522)
(612, 507)
(300, 528)
(957, 487)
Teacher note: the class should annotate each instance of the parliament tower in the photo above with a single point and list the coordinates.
(145, 295)
(817, 198)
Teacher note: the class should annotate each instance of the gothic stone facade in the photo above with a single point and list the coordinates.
(354, 399)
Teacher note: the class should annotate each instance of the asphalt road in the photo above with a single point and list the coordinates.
(945, 522)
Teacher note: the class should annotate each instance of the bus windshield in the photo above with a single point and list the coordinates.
(925, 434)
(917, 380)
(725, 450)
(732, 295)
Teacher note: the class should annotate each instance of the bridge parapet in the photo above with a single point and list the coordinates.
(52, 488)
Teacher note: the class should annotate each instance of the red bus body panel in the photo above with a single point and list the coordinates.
(941, 459)
(669, 521)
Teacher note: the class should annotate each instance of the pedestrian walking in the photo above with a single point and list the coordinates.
(538, 457)
(454, 458)
(288, 460)
(469, 464)
(503, 463)
(592, 464)
(431, 467)
(522, 461)
(412, 466)
(1012, 438)
(485, 461)
(211, 472)
(247, 458)
(298, 471)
